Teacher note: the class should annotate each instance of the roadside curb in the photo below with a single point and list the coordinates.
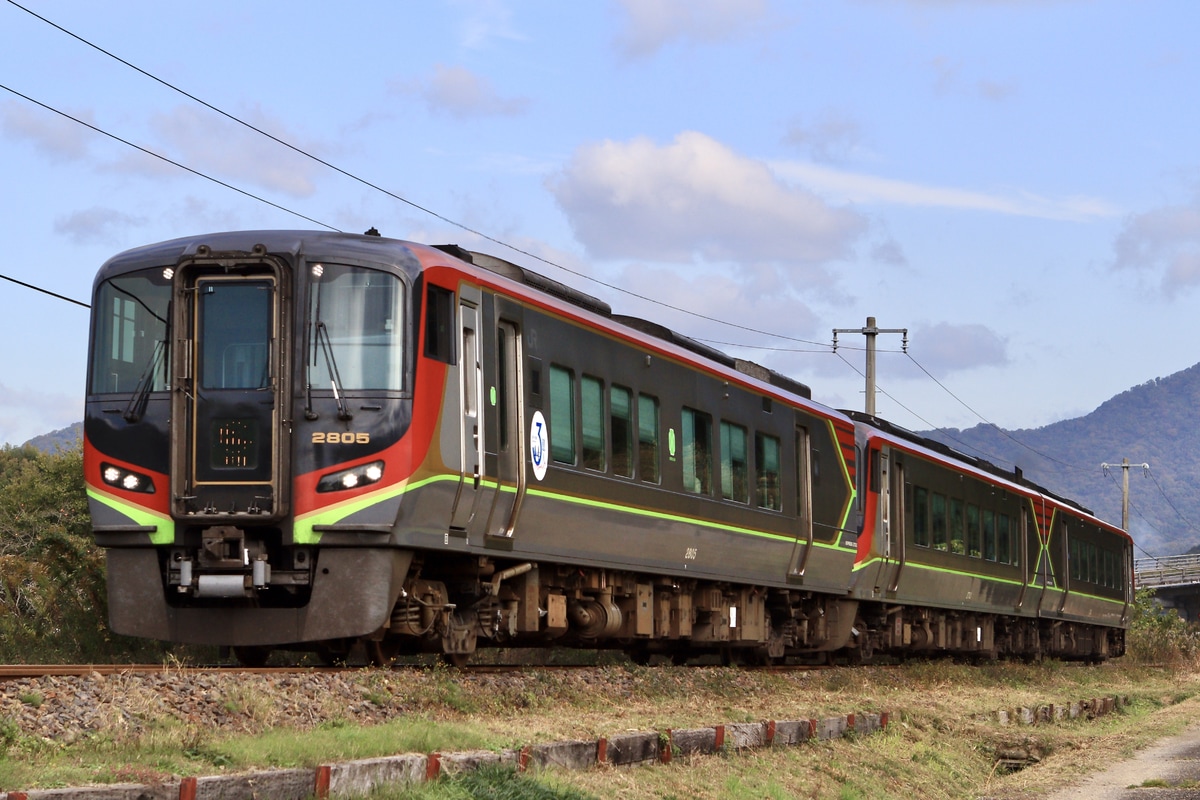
(364, 775)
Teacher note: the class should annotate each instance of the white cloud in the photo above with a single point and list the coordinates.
(652, 24)
(696, 198)
(54, 136)
(460, 93)
(946, 347)
(96, 225)
(867, 189)
(1165, 240)
(486, 20)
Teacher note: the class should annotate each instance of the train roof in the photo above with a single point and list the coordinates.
(372, 247)
(1015, 476)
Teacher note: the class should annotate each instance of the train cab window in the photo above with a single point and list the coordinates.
(439, 324)
(937, 520)
(562, 414)
(766, 472)
(357, 321)
(129, 343)
(648, 458)
(974, 543)
(958, 536)
(696, 432)
(735, 468)
(592, 417)
(620, 430)
(921, 516)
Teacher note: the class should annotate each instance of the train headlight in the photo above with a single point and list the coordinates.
(126, 479)
(353, 478)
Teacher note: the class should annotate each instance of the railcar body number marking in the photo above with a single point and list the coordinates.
(690, 554)
(335, 437)
(539, 445)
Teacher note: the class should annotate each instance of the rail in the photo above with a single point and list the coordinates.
(1167, 570)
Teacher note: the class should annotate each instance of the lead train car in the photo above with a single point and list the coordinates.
(957, 555)
(313, 440)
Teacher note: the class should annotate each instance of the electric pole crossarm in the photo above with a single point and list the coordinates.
(871, 332)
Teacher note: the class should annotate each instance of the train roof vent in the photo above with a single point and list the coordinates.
(772, 377)
(668, 335)
(529, 278)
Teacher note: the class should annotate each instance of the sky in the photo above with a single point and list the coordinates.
(1014, 182)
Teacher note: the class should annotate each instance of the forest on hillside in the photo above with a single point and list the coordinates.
(1153, 423)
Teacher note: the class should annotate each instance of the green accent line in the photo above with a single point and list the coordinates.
(164, 532)
(992, 578)
(837, 447)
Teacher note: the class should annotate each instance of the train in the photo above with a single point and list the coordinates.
(350, 444)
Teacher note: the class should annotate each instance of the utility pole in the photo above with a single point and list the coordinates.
(870, 331)
(1125, 465)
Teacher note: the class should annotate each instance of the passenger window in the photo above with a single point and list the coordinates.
(958, 537)
(974, 546)
(648, 459)
(921, 516)
(989, 534)
(766, 465)
(562, 414)
(696, 432)
(620, 430)
(734, 467)
(592, 396)
(937, 514)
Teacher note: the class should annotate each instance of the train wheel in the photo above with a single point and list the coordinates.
(253, 656)
(383, 653)
(456, 660)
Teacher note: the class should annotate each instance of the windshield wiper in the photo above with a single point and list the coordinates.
(335, 379)
(137, 403)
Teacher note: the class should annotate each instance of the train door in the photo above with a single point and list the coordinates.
(504, 458)
(802, 549)
(891, 523)
(226, 446)
(470, 382)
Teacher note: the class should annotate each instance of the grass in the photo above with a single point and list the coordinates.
(943, 740)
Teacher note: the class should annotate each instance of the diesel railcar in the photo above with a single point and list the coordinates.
(328, 441)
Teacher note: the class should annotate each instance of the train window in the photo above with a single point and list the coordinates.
(921, 516)
(648, 459)
(696, 432)
(974, 545)
(1093, 564)
(766, 472)
(735, 467)
(1074, 559)
(357, 324)
(439, 324)
(1004, 538)
(562, 414)
(620, 430)
(958, 537)
(989, 534)
(592, 416)
(937, 518)
(130, 338)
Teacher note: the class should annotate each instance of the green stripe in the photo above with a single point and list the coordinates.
(164, 527)
(991, 578)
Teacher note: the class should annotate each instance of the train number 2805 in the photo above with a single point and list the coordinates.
(335, 437)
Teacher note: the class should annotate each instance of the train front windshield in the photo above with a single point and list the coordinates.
(356, 335)
(129, 345)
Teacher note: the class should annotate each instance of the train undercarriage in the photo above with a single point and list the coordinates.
(456, 607)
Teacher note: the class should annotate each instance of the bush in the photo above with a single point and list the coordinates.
(1160, 636)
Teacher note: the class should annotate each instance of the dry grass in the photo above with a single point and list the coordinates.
(942, 742)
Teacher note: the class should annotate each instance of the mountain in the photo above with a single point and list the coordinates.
(1154, 423)
(62, 439)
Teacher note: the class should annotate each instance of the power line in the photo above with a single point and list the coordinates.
(392, 194)
(45, 291)
(184, 167)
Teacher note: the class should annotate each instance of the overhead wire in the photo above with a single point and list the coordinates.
(475, 232)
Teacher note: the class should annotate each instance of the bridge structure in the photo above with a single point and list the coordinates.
(1175, 581)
